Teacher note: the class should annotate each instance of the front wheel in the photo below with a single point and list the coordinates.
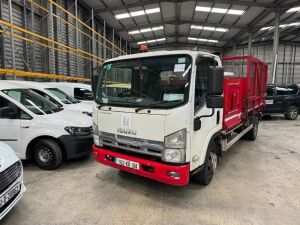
(292, 113)
(47, 154)
(205, 176)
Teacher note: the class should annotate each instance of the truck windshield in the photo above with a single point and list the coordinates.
(150, 82)
(66, 99)
(33, 101)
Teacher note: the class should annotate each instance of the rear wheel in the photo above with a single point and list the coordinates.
(47, 154)
(292, 113)
(205, 176)
(252, 134)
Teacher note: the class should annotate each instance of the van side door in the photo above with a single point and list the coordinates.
(10, 124)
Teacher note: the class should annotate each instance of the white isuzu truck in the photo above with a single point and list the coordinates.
(167, 115)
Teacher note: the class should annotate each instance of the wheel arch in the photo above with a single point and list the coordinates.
(29, 148)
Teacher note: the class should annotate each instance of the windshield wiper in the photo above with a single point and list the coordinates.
(155, 104)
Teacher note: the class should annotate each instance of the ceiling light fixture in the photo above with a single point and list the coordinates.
(220, 10)
(202, 40)
(209, 28)
(295, 9)
(151, 41)
(146, 30)
(137, 13)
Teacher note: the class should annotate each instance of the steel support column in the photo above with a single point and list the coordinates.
(51, 35)
(113, 46)
(12, 40)
(275, 46)
(2, 55)
(104, 40)
(76, 37)
(32, 44)
(94, 65)
(250, 43)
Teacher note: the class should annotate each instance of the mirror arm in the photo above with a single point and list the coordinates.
(212, 113)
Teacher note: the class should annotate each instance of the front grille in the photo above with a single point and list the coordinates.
(137, 145)
(8, 176)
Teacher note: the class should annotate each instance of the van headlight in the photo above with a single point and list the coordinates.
(96, 135)
(175, 147)
(79, 131)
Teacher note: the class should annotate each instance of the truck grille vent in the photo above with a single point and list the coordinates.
(137, 145)
(8, 176)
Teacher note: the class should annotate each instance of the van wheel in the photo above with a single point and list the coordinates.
(205, 176)
(47, 154)
(292, 113)
(252, 134)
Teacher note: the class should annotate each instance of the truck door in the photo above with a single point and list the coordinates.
(10, 124)
(208, 124)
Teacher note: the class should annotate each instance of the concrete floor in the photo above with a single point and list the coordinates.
(256, 183)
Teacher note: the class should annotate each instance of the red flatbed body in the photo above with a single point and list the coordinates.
(244, 89)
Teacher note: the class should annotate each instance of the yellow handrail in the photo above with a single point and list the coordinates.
(41, 75)
(15, 27)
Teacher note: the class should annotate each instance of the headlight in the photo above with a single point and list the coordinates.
(96, 135)
(175, 147)
(176, 140)
(174, 155)
(79, 131)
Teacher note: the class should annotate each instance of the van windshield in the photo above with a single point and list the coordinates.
(150, 82)
(66, 99)
(33, 101)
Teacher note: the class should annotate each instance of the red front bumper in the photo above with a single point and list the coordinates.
(159, 171)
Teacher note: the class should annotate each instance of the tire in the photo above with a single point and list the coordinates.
(292, 113)
(47, 154)
(252, 134)
(205, 176)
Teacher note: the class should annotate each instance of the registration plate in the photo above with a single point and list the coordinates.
(127, 163)
(9, 195)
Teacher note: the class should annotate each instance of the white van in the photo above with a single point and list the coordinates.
(82, 92)
(11, 177)
(40, 130)
(56, 96)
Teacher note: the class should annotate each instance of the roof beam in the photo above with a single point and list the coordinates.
(180, 22)
(233, 2)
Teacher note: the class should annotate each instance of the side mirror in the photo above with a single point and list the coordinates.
(9, 113)
(215, 80)
(94, 83)
(214, 102)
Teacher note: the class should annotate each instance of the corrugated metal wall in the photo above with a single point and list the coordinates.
(288, 70)
(36, 58)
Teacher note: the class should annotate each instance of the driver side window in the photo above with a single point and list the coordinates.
(201, 81)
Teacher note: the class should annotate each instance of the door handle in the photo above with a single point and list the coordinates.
(25, 127)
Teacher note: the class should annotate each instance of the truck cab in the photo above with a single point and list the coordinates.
(165, 122)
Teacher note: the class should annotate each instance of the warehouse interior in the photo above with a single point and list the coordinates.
(57, 51)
